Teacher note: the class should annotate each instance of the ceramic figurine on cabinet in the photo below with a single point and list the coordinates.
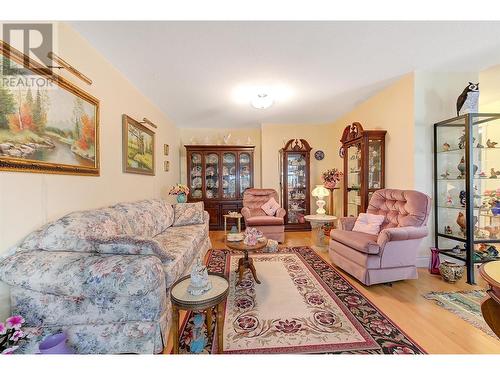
(461, 222)
(461, 168)
(483, 174)
(493, 173)
(198, 340)
(456, 249)
(461, 141)
(468, 100)
(445, 175)
(492, 231)
(479, 145)
(463, 198)
(491, 144)
(449, 200)
(446, 146)
(447, 230)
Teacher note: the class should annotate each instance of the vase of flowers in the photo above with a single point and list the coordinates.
(331, 178)
(11, 334)
(181, 191)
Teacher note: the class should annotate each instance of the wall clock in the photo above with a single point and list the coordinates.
(319, 155)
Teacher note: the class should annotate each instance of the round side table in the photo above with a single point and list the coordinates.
(182, 300)
(246, 262)
(237, 217)
(317, 222)
(490, 308)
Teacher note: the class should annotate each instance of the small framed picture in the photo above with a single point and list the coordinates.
(166, 165)
(165, 150)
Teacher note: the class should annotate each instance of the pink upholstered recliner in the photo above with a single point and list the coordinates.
(273, 227)
(392, 254)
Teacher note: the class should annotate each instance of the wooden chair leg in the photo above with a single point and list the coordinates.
(175, 327)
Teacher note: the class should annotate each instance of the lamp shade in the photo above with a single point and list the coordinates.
(320, 191)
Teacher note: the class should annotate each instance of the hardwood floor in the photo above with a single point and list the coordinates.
(435, 329)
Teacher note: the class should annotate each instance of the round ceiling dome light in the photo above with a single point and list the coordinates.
(262, 101)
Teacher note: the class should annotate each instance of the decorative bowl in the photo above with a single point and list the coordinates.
(451, 272)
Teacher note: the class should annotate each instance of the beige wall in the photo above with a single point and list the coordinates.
(489, 88)
(29, 200)
(216, 136)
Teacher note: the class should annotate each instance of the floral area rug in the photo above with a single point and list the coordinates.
(303, 305)
(466, 305)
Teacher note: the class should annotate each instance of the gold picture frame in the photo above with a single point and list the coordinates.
(48, 142)
(166, 166)
(165, 149)
(138, 145)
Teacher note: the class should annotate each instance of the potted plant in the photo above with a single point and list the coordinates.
(331, 178)
(181, 191)
(11, 334)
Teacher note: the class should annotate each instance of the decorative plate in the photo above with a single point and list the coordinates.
(319, 155)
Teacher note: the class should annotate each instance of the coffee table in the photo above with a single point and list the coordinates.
(317, 222)
(246, 262)
(182, 300)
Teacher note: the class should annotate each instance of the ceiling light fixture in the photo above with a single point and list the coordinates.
(262, 101)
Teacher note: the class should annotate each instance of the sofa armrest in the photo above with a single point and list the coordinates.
(280, 212)
(401, 234)
(245, 211)
(83, 274)
(347, 223)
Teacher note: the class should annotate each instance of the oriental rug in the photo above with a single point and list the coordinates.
(303, 305)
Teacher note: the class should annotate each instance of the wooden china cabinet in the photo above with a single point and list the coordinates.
(295, 171)
(363, 152)
(218, 175)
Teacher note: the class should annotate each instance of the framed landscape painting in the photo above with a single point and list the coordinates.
(138, 147)
(47, 124)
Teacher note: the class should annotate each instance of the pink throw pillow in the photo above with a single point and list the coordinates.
(270, 207)
(368, 223)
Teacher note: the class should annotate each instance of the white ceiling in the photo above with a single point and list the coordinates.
(190, 69)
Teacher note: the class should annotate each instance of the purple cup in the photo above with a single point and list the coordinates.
(55, 344)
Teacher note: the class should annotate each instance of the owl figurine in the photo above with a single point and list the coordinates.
(468, 100)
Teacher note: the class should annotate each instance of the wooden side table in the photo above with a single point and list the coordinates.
(182, 300)
(490, 308)
(317, 222)
(237, 217)
(246, 262)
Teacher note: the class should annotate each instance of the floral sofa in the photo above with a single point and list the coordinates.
(104, 275)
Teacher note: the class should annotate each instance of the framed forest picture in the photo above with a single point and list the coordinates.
(47, 124)
(138, 147)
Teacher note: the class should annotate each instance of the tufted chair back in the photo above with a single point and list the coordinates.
(401, 208)
(255, 198)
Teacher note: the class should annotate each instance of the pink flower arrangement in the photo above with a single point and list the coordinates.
(179, 189)
(11, 333)
(252, 236)
(493, 196)
(331, 178)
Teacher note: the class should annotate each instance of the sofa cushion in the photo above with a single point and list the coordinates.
(182, 243)
(188, 214)
(147, 218)
(83, 274)
(264, 220)
(366, 243)
(130, 245)
(270, 207)
(70, 232)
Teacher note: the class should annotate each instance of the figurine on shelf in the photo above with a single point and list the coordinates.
(463, 198)
(491, 144)
(456, 250)
(445, 175)
(198, 340)
(200, 283)
(467, 102)
(447, 230)
(493, 173)
(461, 222)
(446, 146)
(461, 141)
(492, 231)
(483, 174)
(461, 168)
(479, 145)
(449, 201)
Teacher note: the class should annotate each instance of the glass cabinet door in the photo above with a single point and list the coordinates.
(195, 183)
(228, 175)
(245, 172)
(296, 187)
(354, 180)
(374, 164)
(211, 176)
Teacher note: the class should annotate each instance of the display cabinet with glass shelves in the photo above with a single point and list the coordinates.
(218, 175)
(363, 152)
(295, 184)
(467, 189)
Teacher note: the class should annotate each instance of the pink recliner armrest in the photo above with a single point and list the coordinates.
(401, 234)
(281, 212)
(245, 211)
(347, 223)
